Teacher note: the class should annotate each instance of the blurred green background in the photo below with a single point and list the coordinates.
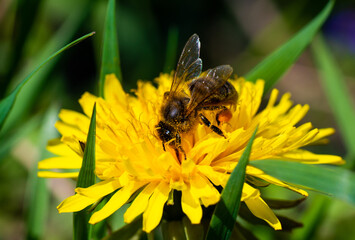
(240, 33)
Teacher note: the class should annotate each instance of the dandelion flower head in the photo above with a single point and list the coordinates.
(132, 164)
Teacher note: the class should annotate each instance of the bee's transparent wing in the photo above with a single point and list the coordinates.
(189, 65)
(205, 86)
(219, 74)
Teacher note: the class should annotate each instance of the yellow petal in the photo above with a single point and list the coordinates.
(75, 203)
(272, 180)
(67, 130)
(154, 211)
(100, 189)
(188, 166)
(213, 150)
(75, 119)
(249, 192)
(61, 163)
(73, 142)
(140, 203)
(191, 206)
(321, 136)
(57, 147)
(211, 199)
(217, 178)
(108, 147)
(48, 174)
(87, 102)
(297, 113)
(201, 188)
(304, 156)
(261, 210)
(207, 146)
(113, 90)
(116, 201)
(273, 98)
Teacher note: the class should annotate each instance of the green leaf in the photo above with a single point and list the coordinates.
(330, 180)
(225, 213)
(7, 103)
(38, 194)
(86, 178)
(110, 57)
(171, 50)
(275, 65)
(338, 95)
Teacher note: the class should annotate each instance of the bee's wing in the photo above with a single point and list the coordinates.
(219, 74)
(189, 65)
(210, 81)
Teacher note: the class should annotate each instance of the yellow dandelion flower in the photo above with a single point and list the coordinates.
(131, 161)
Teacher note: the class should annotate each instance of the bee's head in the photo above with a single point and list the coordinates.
(165, 131)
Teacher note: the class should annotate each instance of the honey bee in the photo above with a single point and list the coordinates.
(208, 91)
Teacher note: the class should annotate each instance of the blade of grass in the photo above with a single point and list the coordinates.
(86, 178)
(171, 50)
(7, 103)
(110, 55)
(225, 213)
(38, 194)
(275, 65)
(338, 96)
(29, 92)
(334, 181)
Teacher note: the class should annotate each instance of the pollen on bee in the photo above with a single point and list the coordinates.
(224, 116)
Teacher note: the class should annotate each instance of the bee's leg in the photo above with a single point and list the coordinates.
(214, 108)
(178, 146)
(177, 153)
(213, 127)
(163, 143)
